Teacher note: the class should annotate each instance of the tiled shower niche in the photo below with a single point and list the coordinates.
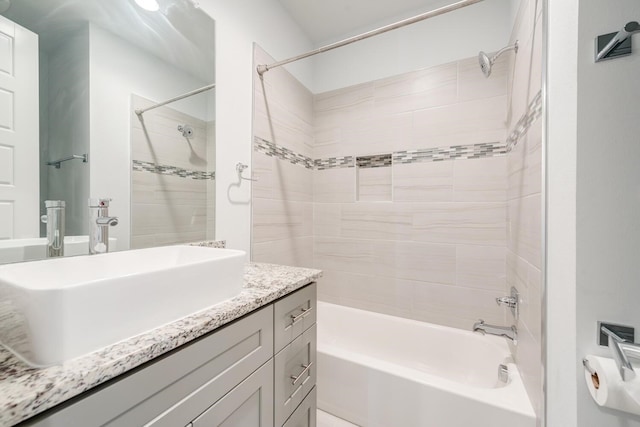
(374, 178)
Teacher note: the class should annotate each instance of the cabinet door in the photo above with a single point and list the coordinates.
(295, 374)
(176, 388)
(305, 415)
(293, 315)
(250, 404)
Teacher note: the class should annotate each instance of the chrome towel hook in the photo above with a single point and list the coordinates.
(240, 168)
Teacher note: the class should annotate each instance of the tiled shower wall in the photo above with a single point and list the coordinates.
(282, 201)
(425, 236)
(170, 178)
(524, 250)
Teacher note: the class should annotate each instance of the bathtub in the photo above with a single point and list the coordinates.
(384, 371)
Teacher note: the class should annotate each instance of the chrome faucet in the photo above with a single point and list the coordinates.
(99, 223)
(502, 331)
(55, 227)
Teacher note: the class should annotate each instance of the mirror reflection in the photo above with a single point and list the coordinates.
(73, 74)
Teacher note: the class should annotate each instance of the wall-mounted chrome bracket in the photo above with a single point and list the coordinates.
(616, 45)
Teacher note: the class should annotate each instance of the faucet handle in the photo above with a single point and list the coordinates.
(510, 302)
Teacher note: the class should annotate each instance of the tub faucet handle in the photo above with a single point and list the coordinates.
(510, 302)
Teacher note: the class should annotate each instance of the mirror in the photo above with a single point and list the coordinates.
(72, 74)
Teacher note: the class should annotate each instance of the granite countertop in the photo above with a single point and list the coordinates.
(26, 391)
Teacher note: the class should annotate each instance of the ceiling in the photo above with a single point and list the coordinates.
(180, 33)
(328, 20)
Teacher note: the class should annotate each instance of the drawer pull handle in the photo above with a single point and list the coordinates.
(299, 317)
(295, 379)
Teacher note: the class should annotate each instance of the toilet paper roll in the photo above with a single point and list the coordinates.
(607, 388)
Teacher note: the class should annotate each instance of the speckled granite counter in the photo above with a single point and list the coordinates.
(25, 391)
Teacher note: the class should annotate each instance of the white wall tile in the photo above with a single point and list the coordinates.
(418, 90)
(370, 220)
(334, 185)
(327, 219)
(480, 180)
(297, 252)
(461, 223)
(423, 182)
(374, 184)
(472, 84)
(367, 292)
(281, 219)
(482, 267)
(292, 182)
(471, 122)
(455, 306)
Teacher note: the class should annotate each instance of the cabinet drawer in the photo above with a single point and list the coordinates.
(250, 404)
(295, 374)
(305, 414)
(293, 315)
(175, 389)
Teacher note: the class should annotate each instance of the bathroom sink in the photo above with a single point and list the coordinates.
(55, 310)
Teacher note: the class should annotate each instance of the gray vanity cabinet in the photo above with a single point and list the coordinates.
(295, 347)
(249, 404)
(305, 415)
(231, 377)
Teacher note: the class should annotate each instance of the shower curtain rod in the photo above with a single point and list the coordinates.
(440, 11)
(177, 98)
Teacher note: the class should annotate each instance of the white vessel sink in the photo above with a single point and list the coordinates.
(20, 250)
(58, 309)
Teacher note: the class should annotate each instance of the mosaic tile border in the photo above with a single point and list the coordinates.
(140, 166)
(533, 113)
(334, 163)
(273, 150)
(376, 161)
(436, 154)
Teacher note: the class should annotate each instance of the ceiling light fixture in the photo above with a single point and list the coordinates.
(150, 5)
(4, 5)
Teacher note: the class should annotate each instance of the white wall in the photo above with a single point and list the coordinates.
(608, 200)
(119, 69)
(484, 26)
(561, 146)
(239, 24)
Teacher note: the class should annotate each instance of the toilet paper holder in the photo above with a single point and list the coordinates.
(588, 367)
(621, 350)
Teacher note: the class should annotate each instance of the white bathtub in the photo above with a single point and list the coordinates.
(385, 371)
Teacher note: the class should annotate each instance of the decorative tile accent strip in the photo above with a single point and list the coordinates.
(377, 161)
(438, 154)
(220, 244)
(140, 166)
(334, 163)
(533, 113)
(273, 150)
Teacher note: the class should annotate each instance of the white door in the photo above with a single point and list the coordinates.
(19, 132)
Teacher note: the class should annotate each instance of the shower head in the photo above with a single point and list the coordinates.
(486, 63)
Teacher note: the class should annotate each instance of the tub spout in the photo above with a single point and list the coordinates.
(501, 331)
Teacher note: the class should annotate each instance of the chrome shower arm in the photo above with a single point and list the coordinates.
(513, 47)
